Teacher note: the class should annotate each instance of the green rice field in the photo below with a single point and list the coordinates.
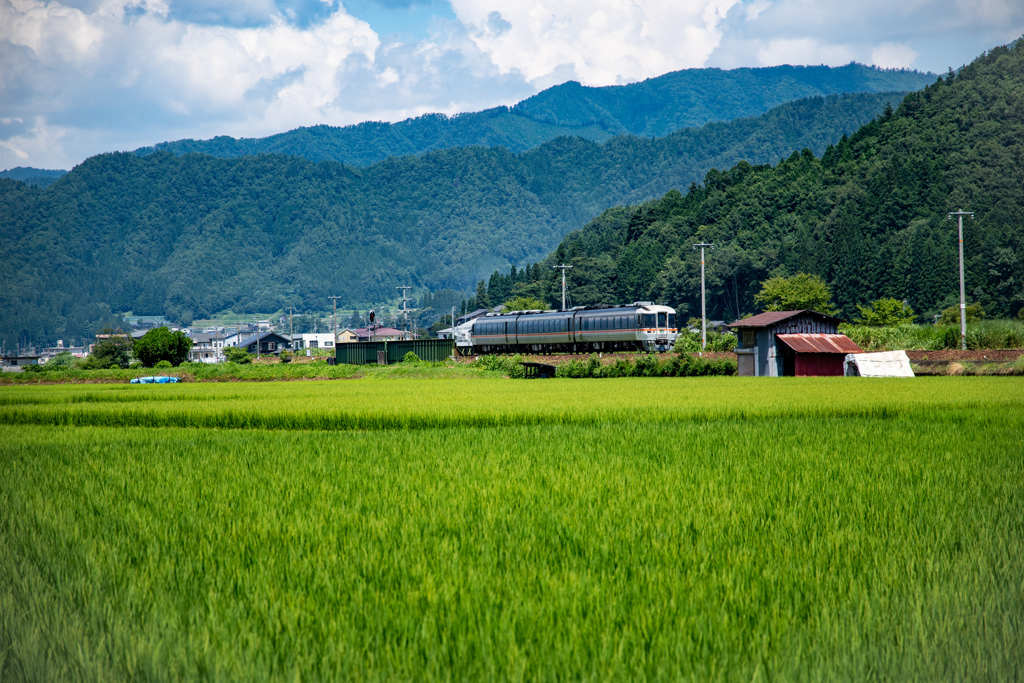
(713, 528)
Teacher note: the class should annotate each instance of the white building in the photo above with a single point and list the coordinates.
(314, 340)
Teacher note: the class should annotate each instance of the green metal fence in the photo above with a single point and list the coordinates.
(363, 353)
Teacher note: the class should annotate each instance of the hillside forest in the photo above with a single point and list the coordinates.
(869, 215)
(193, 235)
(655, 107)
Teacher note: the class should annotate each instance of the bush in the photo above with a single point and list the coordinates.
(163, 364)
(286, 356)
(237, 355)
(647, 366)
(410, 358)
(719, 342)
(510, 365)
(951, 315)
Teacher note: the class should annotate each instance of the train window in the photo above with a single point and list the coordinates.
(648, 320)
(672, 320)
(662, 320)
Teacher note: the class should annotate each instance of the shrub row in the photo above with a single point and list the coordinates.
(648, 366)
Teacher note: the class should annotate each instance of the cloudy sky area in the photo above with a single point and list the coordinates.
(80, 77)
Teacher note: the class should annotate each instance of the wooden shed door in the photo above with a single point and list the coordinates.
(746, 364)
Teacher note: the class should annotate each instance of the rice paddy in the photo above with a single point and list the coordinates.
(665, 529)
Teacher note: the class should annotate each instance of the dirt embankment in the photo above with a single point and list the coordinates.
(977, 356)
(605, 358)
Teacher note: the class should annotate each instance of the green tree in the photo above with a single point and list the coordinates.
(525, 303)
(951, 315)
(161, 344)
(886, 312)
(112, 352)
(798, 292)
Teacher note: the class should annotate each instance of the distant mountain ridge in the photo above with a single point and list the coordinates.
(39, 177)
(189, 236)
(652, 108)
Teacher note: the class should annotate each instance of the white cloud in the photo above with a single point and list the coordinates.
(893, 56)
(598, 42)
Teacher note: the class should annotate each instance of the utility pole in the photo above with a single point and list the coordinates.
(335, 320)
(405, 311)
(963, 305)
(291, 327)
(256, 321)
(703, 307)
(563, 268)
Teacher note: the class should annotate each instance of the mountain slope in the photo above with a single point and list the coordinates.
(870, 216)
(652, 108)
(194, 234)
(39, 177)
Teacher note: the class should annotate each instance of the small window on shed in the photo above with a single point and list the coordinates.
(749, 338)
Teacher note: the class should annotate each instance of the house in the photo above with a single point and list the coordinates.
(206, 348)
(270, 343)
(314, 340)
(16, 363)
(381, 333)
(791, 343)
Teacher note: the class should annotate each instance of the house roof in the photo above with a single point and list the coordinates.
(261, 337)
(378, 332)
(819, 343)
(771, 317)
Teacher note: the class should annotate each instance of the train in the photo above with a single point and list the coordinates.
(640, 326)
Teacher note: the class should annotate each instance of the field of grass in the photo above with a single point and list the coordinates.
(702, 528)
(986, 334)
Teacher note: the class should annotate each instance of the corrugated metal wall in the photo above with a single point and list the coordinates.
(363, 353)
(819, 364)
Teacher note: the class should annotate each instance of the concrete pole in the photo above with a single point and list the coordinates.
(963, 303)
(703, 306)
(563, 268)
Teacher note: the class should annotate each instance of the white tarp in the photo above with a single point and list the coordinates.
(880, 364)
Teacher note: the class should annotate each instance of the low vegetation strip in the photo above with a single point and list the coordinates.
(409, 404)
(787, 539)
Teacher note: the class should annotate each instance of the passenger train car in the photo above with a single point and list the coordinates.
(635, 327)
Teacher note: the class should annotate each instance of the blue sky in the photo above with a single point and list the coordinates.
(80, 77)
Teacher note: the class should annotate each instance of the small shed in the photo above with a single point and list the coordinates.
(791, 343)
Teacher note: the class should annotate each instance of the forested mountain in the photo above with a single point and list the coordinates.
(869, 216)
(40, 177)
(193, 235)
(652, 108)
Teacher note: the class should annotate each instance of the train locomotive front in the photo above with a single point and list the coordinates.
(641, 326)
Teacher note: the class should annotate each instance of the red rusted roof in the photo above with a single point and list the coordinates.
(771, 317)
(819, 343)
